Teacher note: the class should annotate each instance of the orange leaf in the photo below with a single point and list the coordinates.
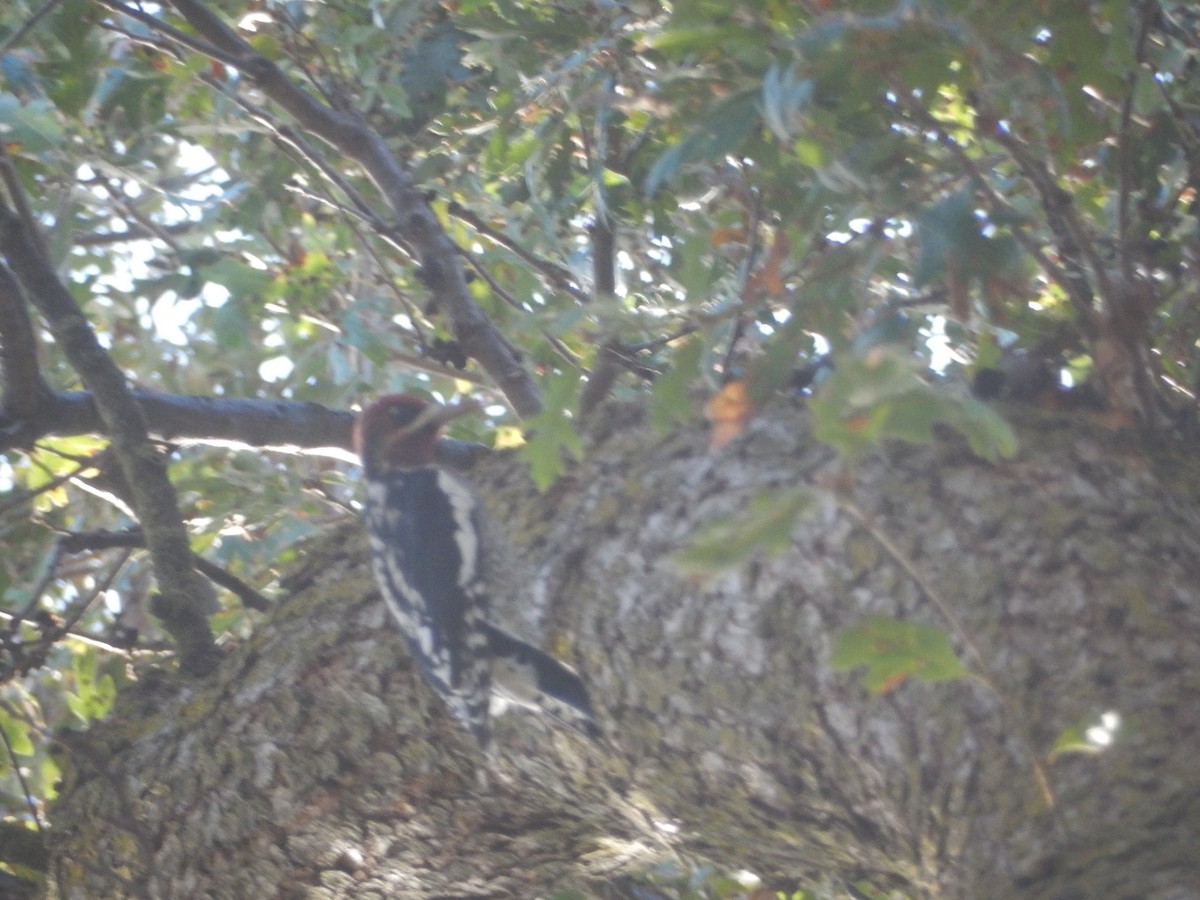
(728, 410)
(767, 280)
(894, 682)
(858, 424)
(726, 234)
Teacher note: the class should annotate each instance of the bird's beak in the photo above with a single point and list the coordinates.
(435, 415)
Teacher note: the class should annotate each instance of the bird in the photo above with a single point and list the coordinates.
(425, 527)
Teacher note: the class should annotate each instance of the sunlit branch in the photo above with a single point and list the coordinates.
(182, 38)
(252, 423)
(90, 641)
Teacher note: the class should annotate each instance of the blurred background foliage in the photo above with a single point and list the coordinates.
(700, 200)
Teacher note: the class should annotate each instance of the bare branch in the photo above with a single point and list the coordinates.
(252, 423)
(1145, 12)
(20, 377)
(186, 597)
(71, 619)
(288, 426)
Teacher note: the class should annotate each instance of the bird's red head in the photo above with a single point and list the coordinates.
(400, 431)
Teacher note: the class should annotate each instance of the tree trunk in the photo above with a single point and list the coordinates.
(316, 764)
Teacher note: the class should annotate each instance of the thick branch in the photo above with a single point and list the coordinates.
(20, 377)
(270, 424)
(186, 597)
(415, 220)
(254, 423)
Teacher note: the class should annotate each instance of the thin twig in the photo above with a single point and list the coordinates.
(982, 669)
(743, 280)
(182, 38)
(90, 641)
(19, 35)
(80, 608)
(560, 276)
(20, 498)
(16, 767)
(77, 542)
(49, 573)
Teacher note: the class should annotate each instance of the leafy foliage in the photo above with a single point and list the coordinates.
(880, 395)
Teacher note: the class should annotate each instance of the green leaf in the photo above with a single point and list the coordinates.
(553, 435)
(722, 130)
(774, 369)
(892, 651)
(430, 66)
(17, 733)
(948, 231)
(362, 333)
(706, 38)
(94, 693)
(785, 98)
(810, 153)
(671, 403)
(1072, 740)
(878, 395)
(231, 326)
(396, 98)
(241, 280)
(765, 527)
(988, 434)
(28, 129)
(693, 265)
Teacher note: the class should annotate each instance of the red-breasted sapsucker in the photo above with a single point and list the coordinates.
(427, 555)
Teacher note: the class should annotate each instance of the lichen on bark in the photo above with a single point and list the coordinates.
(314, 761)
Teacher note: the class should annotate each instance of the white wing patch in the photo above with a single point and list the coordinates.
(463, 505)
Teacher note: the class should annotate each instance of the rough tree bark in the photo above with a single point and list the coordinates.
(314, 764)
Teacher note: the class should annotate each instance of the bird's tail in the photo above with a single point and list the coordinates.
(525, 676)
